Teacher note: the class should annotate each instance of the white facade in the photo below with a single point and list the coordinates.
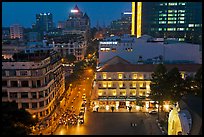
(34, 85)
(131, 48)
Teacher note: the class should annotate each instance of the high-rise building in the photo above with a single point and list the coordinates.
(78, 20)
(178, 20)
(16, 31)
(122, 25)
(36, 83)
(44, 21)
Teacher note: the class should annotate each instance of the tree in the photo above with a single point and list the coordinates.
(158, 85)
(70, 58)
(175, 86)
(16, 121)
(198, 82)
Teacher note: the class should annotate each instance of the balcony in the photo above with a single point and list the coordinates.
(142, 87)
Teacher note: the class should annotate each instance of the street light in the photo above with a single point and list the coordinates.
(34, 116)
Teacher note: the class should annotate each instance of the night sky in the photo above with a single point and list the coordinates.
(23, 13)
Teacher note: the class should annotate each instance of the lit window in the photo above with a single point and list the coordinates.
(190, 25)
(172, 18)
(197, 25)
(109, 84)
(134, 84)
(181, 39)
(171, 29)
(170, 15)
(181, 22)
(120, 76)
(181, 18)
(181, 14)
(181, 3)
(180, 29)
(104, 85)
(181, 11)
(121, 84)
(134, 76)
(99, 93)
(160, 18)
(114, 93)
(160, 29)
(172, 3)
(104, 76)
(171, 22)
(162, 15)
(162, 22)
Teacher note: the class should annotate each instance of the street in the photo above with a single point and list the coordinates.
(116, 123)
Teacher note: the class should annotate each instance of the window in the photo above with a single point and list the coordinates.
(24, 94)
(180, 29)
(3, 73)
(120, 76)
(41, 94)
(4, 83)
(24, 84)
(4, 93)
(12, 73)
(34, 95)
(38, 83)
(13, 95)
(190, 25)
(104, 76)
(23, 73)
(14, 83)
(162, 22)
(25, 105)
(104, 85)
(134, 76)
(109, 84)
(41, 103)
(181, 22)
(34, 105)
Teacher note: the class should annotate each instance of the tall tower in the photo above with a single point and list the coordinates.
(136, 19)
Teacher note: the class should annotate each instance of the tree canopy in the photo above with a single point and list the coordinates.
(16, 121)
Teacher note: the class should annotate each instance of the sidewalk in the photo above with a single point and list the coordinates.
(122, 110)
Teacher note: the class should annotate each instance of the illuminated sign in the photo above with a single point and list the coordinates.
(109, 42)
(133, 19)
(127, 13)
(139, 18)
(74, 11)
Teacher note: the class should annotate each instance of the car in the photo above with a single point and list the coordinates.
(153, 112)
(81, 120)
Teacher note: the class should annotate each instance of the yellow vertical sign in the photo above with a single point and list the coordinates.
(139, 18)
(133, 19)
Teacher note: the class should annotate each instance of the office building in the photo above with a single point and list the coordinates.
(44, 22)
(77, 20)
(148, 50)
(178, 20)
(34, 81)
(122, 25)
(16, 31)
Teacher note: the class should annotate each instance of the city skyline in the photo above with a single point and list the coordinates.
(61, 14)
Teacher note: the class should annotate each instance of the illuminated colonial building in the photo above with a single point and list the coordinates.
(36, 82)
(120, 84)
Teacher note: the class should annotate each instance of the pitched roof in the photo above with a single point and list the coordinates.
(119, 67)
(116, 60)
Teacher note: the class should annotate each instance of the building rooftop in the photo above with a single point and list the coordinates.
(119, 67)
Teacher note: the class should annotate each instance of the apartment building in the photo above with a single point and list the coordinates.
(34, 81)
